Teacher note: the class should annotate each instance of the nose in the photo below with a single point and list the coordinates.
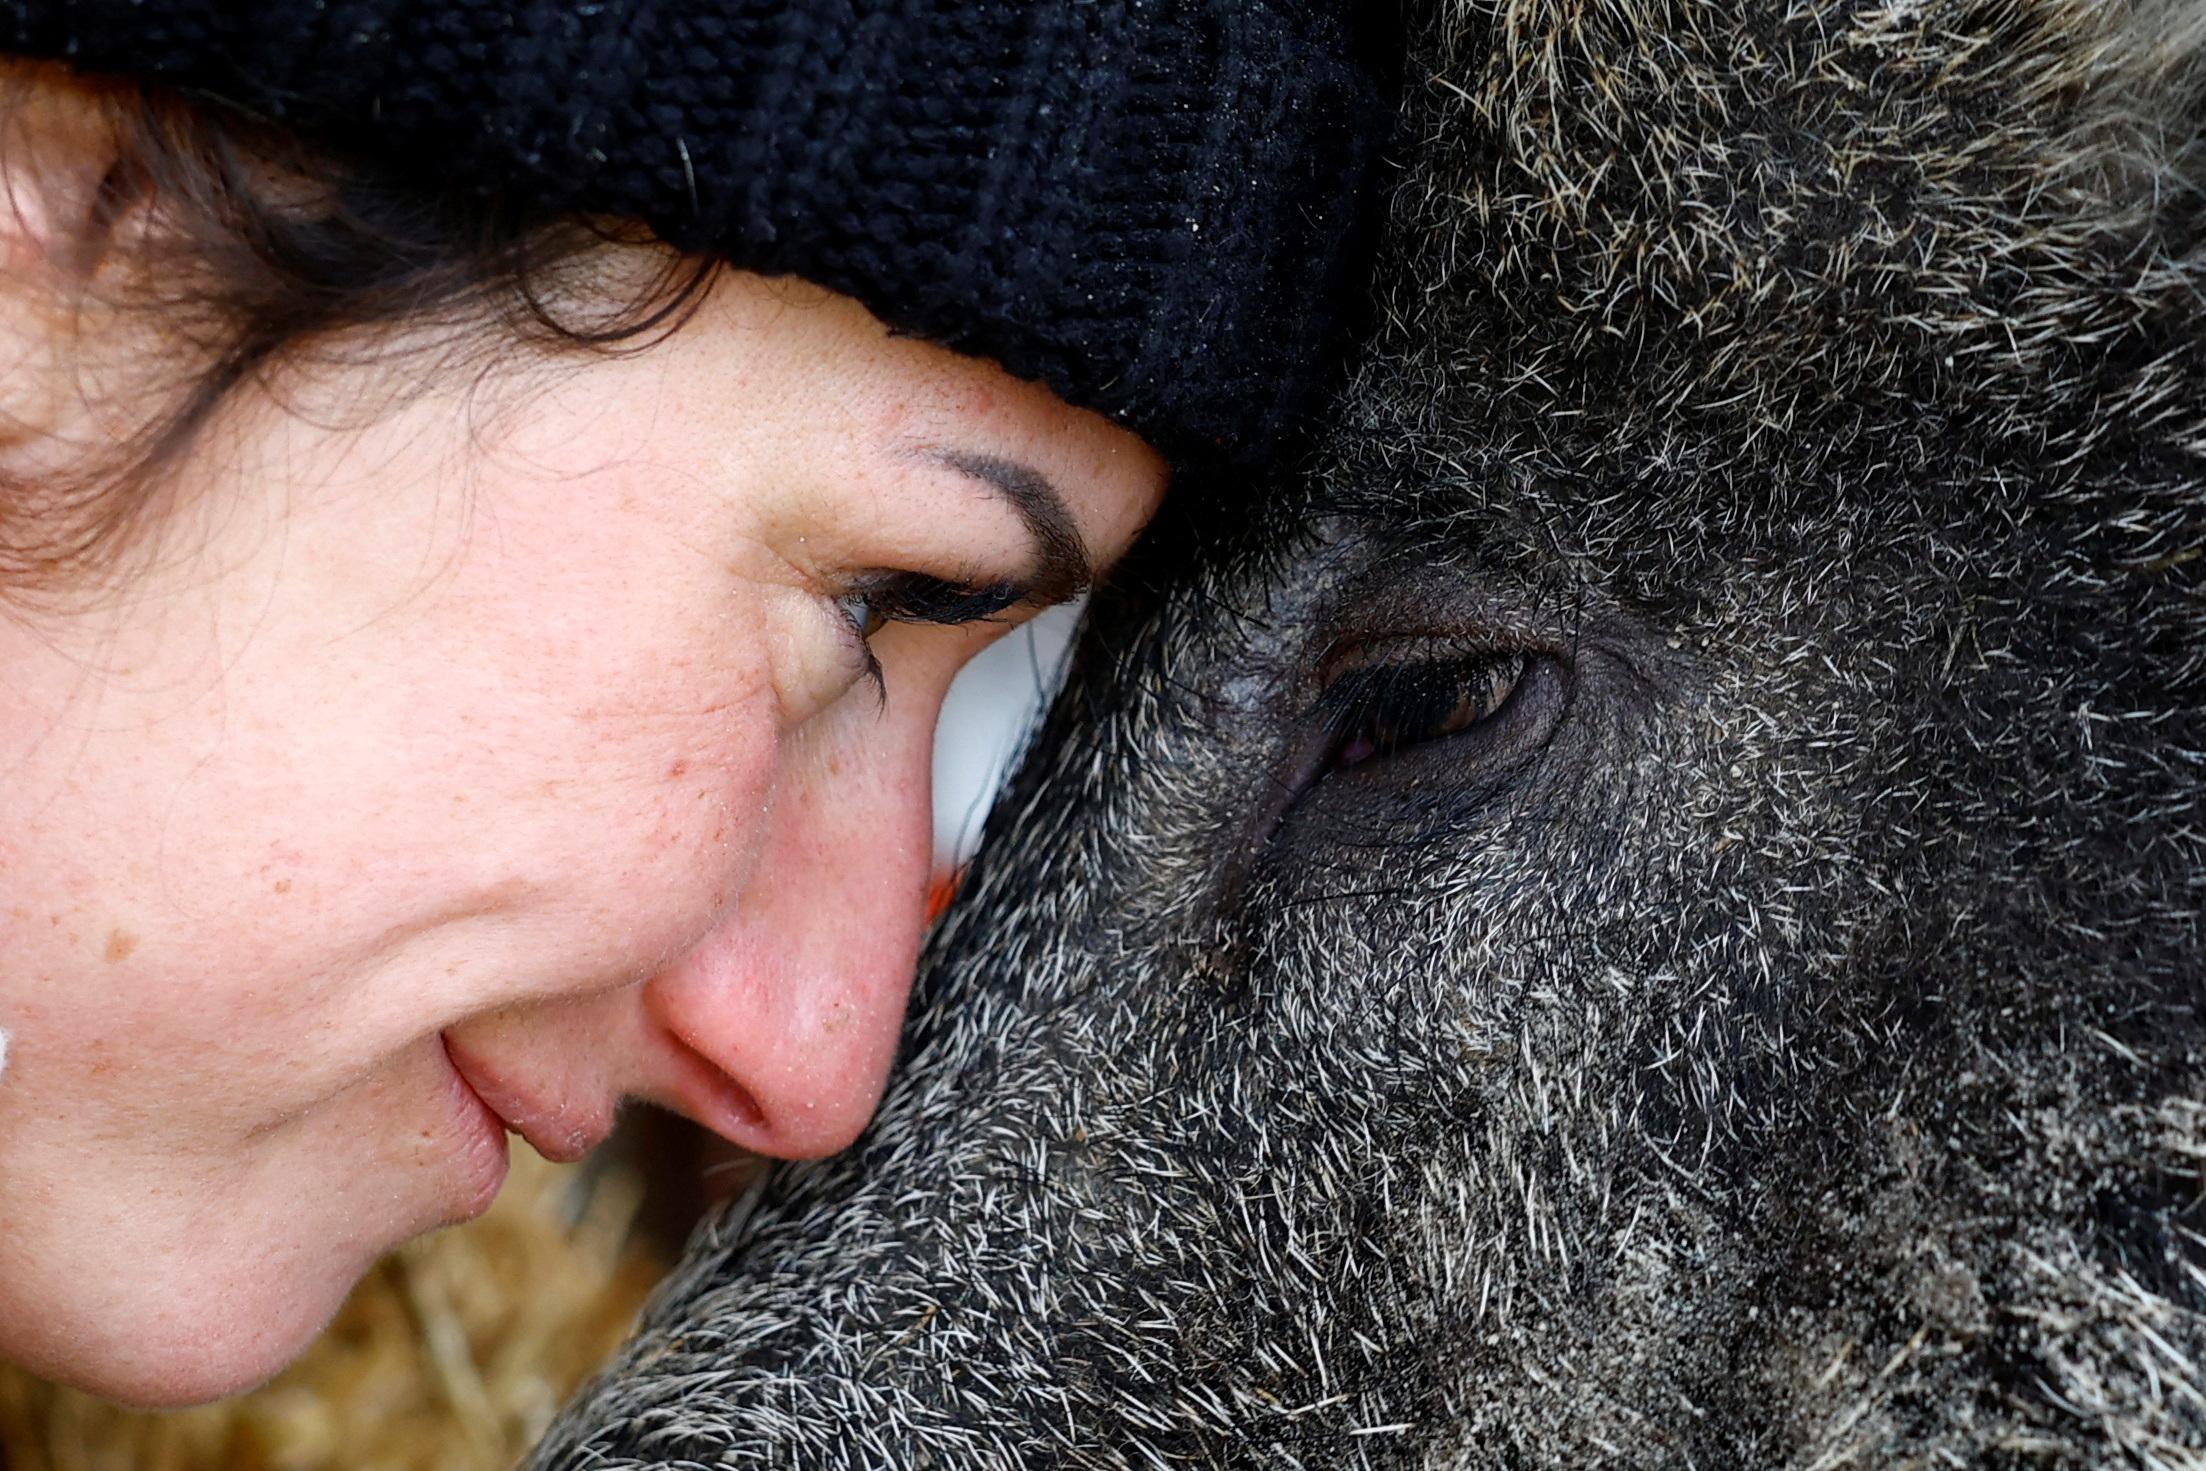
(792, 1005)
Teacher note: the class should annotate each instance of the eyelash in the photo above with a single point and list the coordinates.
(913, 597)
(1384, 709)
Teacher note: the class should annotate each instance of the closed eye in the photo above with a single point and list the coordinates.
(876, 601)
(914, 597)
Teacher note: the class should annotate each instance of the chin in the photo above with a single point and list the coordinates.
(200, 1284)
(182, 1353)
(209, 1373)
(179, 1318)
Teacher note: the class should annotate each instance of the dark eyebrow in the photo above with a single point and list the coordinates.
(1065, 569)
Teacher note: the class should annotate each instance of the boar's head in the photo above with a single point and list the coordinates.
(1643, 909)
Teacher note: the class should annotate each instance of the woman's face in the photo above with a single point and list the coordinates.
(475, 768)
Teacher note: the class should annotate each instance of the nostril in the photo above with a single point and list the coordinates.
(778, 1028)
(736, 1103)
(714, 1099)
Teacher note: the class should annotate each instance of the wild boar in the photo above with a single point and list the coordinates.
(1642, 908)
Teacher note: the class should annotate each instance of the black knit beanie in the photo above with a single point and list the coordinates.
(1154, 207)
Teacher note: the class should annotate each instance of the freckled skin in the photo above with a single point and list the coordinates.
(536, 735)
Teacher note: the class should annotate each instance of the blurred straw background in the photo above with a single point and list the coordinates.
(453, 1354)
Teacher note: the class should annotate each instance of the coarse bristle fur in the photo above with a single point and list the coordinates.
(1784, 1047)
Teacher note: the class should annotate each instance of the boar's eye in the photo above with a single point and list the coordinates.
(1383, 703)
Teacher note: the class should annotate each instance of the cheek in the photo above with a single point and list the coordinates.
(474, 835)
(587, 831)
(588, 775)
(651, 864)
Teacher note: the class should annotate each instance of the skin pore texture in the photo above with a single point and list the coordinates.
(473, 764)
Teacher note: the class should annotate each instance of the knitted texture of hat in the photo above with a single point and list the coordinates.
(1155, 207)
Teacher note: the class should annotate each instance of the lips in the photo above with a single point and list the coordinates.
(560, 1130)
